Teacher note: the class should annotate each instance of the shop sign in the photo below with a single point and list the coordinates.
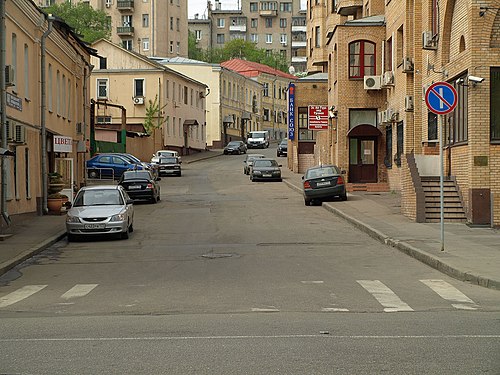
(318, 117)
(291, 111)
(63, 144)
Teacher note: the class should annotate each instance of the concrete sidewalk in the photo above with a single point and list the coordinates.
(471, 254)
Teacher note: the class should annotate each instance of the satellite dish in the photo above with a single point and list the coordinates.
(291, 70)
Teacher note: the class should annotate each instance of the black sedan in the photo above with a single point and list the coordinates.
(169, 166)
(323, 183)
(141, 185)
(282, 148)
(235, 147)
(265, 169)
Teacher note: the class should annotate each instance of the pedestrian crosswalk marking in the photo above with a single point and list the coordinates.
(385, 296)
(20, 294)
(79, 290)
(450, 293)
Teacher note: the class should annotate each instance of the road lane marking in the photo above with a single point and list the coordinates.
(334, 309)
(268, 309)
(79, 290)
(312, 282)
(450, 293)
(20, 294)
(385, 296)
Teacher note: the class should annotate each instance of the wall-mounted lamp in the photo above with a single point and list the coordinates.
(483, 10)
(332, 113)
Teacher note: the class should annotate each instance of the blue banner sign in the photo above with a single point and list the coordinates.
(291, 111)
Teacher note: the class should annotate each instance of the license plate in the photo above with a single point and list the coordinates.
(324, 183)
(95, 226)
(134, 187)
(267, 175)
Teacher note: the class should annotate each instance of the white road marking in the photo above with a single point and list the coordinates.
(257, 309)
(79, 290)
(242, 337)
(385, 296)
(450, 293)
(334, 309)
(20, 294)
(312, 282)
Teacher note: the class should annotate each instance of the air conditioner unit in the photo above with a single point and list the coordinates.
(390, 113)
(139, 100)
(20, 134)
(394, 117)
(9, 76)
(388, 79)
(408, 103)
(407, 65)
(429, 41)
(9, 125)
(372, 82)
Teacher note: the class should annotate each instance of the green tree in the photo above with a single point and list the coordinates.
(153, 119)
(194, 52)
(88, 23)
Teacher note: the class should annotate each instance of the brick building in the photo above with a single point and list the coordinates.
(381, 57)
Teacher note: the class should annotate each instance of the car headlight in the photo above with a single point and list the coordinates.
(119, 217)
(72, 219)
(257, 173)
(276, 173)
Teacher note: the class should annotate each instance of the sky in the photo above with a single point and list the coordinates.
(200, 6)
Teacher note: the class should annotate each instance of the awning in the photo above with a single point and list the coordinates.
(364, 131)
(228, 120)
(190, 123)
(131, 134)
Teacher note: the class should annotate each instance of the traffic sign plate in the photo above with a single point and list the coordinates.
(441, 98)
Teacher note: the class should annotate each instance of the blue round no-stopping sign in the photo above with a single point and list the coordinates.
(441, 98)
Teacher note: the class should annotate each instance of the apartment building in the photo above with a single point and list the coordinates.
(274, 85)
(45, 113)
(233, 102)
(275, 26)
(127, 84)
(381, 57)
(148, 27)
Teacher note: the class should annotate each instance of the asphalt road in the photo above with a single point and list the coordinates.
(226, 276)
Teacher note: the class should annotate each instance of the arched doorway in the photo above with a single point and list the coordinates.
(363, 151)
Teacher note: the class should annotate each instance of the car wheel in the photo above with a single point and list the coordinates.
(131, 228)
(125, 234)
(180, 174)
(71, 237)
(153, 199)
(93, 174)
(307, 201)
(343, 197)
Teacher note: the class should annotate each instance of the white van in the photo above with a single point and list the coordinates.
(258, 139)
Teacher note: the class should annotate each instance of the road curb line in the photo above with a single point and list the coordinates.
(8, 265)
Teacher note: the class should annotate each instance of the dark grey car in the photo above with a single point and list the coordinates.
(265, 170)
(323, 182)
(235, 147)
(282, 148)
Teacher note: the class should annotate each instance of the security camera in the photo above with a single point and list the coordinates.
(459, 81)
(475, 79)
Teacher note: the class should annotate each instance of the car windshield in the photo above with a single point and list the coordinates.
(322, 172)
(135, 175)
(168, 160)
(265, 163)
(284, 142)
(104, 197)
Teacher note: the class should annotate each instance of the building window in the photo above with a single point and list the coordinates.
(14, 57)
(435, 17)
(388, 146)
(172, 23)
(145, 20)
(302, 123)
(145, 44)
(269, 38)
(283, 23)
(58, 92)
(254, 7)
(495, 104)
(102, 88)
(399, 146)
(139, 87)
(388, 54)
(269, 23)
(254, 23)
(178, 24)
(283, 39)
(432, 126)
(178, 47)
(171, 47)
(49, 89)
(26, 72)
(185, 95)
(361, 59)
(317, 36)
(285, 7)
(220, 38)
(456, 122)
(221, 22)
(127, 21)
(254, 38)
(265, 91)
(127, 44)
(197, 34)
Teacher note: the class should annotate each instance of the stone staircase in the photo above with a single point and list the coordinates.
(371, 187)
(453, 208)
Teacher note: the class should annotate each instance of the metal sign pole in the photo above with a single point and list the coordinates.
(441, 178)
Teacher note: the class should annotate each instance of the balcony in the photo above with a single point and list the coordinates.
(268, 13)
(349, 7)
(238, 28)
(299, 44)
(125, 30)
(125, 5)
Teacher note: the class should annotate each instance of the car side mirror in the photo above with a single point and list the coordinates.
(130, 201)
(67, 204)
(279, 165)
(343, 171)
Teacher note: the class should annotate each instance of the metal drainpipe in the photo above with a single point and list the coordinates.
(3, 116)
(45, 210)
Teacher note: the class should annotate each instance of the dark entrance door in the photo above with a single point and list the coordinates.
(362, 159)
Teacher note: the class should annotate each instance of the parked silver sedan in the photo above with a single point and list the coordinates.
(100, 210)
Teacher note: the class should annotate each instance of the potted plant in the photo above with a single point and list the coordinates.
(55, 202)
(55, 183)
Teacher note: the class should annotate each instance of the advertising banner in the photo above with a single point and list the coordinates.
(317, 117)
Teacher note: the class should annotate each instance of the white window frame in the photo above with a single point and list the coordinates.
(145, 44)
(269, 38)
(102, 83)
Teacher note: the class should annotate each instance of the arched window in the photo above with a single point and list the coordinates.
(361, 59)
